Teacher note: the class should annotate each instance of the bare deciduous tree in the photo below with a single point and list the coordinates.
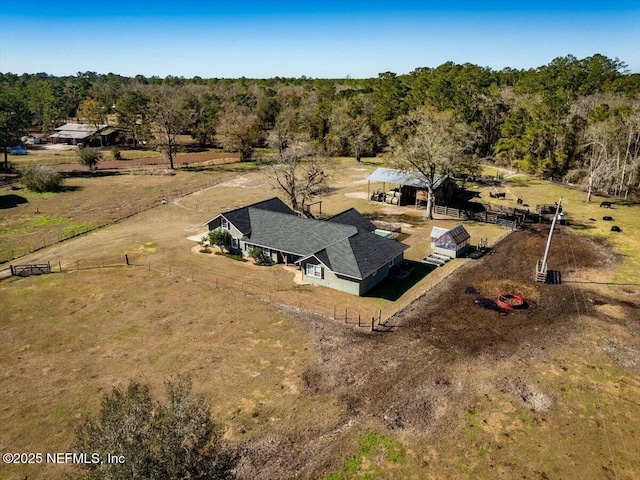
(428, 143)
(301, 175)
(239, 129)
(170, 115)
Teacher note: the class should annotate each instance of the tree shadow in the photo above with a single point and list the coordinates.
(91, 174)
(11, 201)
(70, 188)
(463, 196)
(400, 280)
(582, 226)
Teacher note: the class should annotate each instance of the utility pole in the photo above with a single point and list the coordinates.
(541, 274)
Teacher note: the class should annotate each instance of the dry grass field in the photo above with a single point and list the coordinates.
(444, 395)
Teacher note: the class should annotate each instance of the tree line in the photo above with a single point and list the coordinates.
(572, 118)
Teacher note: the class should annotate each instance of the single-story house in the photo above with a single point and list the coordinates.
(409, 188)
(342, 252)
(84, 134)
(452, 243)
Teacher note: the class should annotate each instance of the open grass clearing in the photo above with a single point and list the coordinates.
(69, 154)
(104, 327)
(32, 220)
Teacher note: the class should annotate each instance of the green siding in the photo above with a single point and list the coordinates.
(345, 284)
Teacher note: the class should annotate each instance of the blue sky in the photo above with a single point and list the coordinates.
(328, 39)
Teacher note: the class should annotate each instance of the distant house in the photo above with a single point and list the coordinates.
(342, 252)
(451, 243)
(409, 188)
(84, 134)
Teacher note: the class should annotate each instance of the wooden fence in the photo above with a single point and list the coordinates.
(501, 218)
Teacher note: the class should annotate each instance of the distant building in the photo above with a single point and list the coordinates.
(84, 134)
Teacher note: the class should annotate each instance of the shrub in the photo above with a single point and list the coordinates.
(42, 178)
(259, 256)
(576, 176)
(116, 154)
(174, 439)
(89, 157)
(237, 258)
(220, 238)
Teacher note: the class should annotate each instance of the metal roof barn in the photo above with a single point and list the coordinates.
(413, 188)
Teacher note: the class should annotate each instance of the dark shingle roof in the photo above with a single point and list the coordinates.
(360, 255)
(355, 218)
(345, 243)
(240, 216)
(293, 234)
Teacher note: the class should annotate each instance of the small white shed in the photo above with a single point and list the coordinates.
(452, 242)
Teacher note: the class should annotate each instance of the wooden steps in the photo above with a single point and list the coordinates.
(435, 259)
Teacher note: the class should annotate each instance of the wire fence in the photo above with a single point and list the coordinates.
(110, 216)
(274, 290)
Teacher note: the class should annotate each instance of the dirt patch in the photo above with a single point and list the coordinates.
(418, 377)
(528, 393)
(626, 354)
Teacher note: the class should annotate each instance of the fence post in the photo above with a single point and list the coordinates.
(358, 319)
(379, 316)
(126, 258)
(334, 312)
(13, 272)
(60, 266)
(373, 319)
(345, 315)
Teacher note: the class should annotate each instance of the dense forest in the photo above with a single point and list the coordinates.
(577, 119)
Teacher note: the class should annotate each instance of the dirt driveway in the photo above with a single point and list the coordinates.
(451, 346)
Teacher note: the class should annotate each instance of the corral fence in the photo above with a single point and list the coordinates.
(511, 218)
(275, 291)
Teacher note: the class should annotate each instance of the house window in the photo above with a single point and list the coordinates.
(234, 242)
(314, 270)
(267, 252)
(225, 223)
